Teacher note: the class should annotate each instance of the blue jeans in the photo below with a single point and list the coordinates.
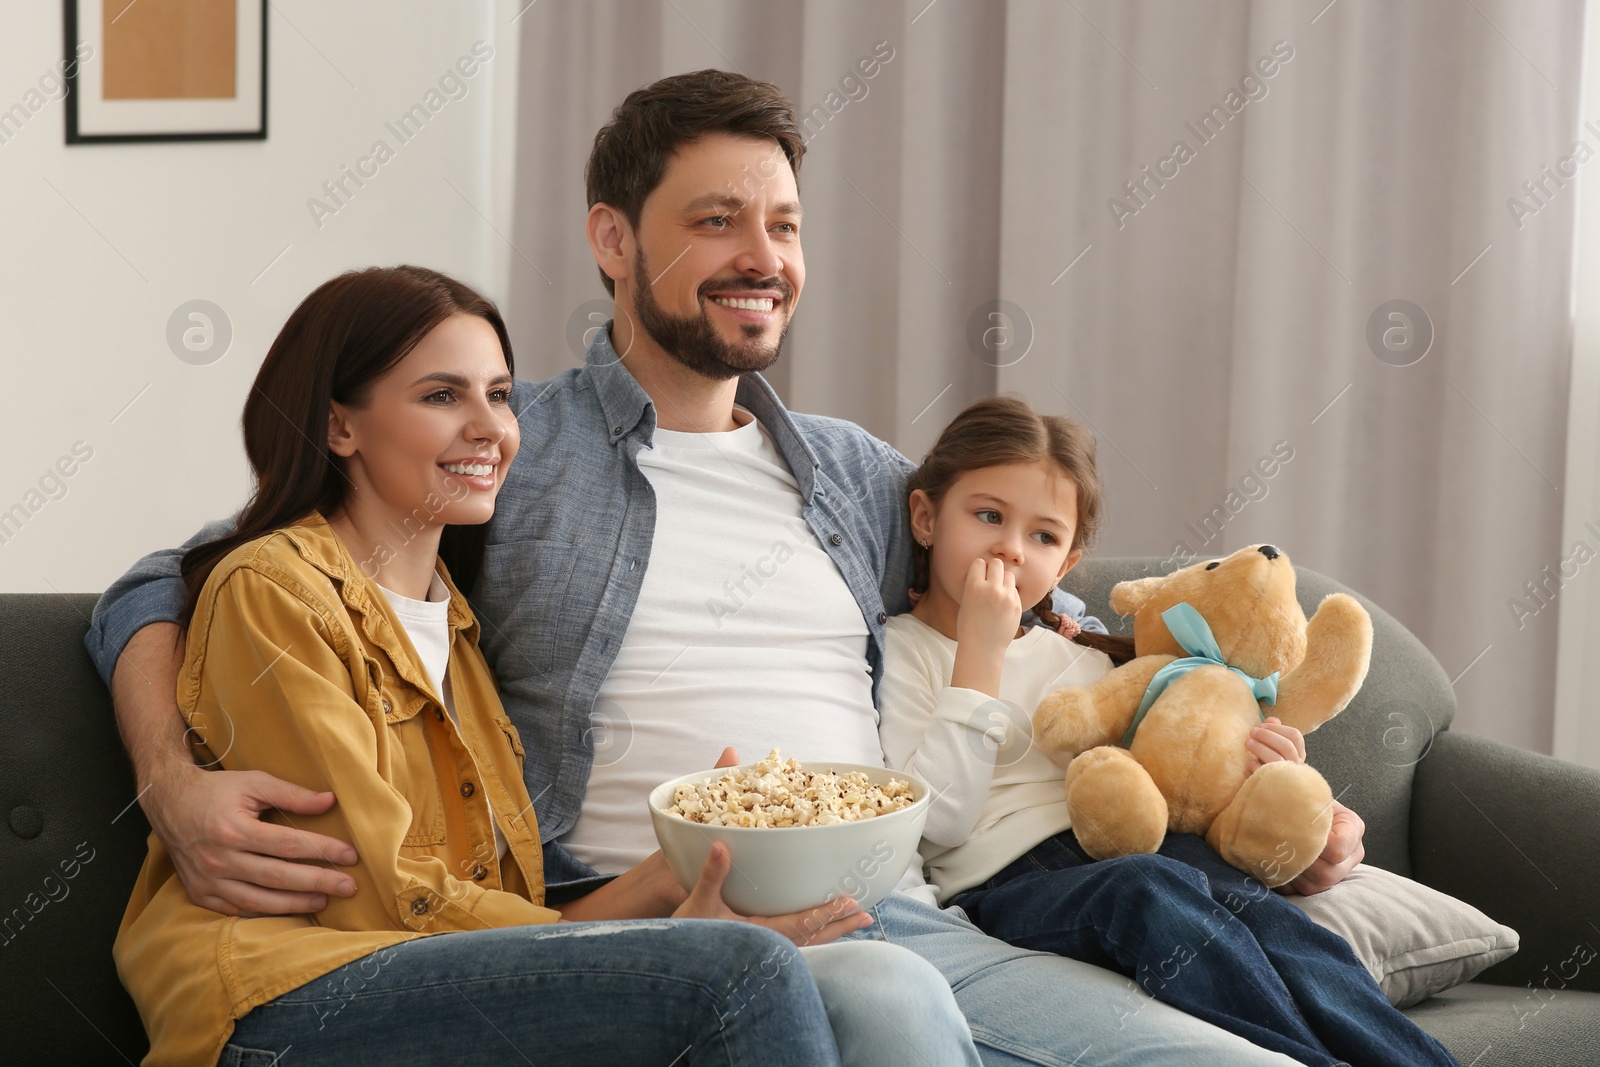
(1029, 1007)
(648, 992)
(1205, 937)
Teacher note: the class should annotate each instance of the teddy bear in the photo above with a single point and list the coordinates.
(1158, 744)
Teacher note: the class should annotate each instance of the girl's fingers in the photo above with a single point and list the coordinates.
(1296, 739)
(1263, 751)
(1269, 745)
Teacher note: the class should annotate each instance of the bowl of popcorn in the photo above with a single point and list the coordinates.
(798, 835)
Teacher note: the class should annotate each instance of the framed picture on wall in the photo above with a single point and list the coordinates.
(166, 70)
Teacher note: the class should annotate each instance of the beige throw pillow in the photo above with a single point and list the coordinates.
(1415, 941)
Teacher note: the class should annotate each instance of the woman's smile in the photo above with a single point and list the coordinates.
(475, 473)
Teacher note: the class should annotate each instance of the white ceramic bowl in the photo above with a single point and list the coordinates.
(779, 870)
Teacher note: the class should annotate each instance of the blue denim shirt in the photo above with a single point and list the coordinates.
(568, 548)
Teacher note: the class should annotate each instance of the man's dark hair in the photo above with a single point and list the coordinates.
(632, 150)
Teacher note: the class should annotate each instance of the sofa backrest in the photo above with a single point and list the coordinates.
(1369, 751)
(72, 839)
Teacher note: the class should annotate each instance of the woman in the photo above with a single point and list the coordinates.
(326, 645)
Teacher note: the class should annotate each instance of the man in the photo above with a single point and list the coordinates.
(676, 563)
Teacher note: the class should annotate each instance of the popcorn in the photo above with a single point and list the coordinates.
(777, 792)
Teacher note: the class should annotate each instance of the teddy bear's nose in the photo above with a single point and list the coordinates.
(1269, 552)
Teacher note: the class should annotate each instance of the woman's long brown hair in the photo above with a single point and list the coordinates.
(341, 339)
(998, 430)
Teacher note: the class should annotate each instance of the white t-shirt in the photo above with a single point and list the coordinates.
(744, 634)
(427, 624)
(997, 794)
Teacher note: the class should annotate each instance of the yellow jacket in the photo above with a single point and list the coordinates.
(296, 666)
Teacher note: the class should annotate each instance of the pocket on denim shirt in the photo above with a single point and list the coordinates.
(521, 595)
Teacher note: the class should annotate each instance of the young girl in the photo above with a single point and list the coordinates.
(326, 645)
(1002, 508)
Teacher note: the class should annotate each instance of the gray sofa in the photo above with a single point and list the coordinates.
(1517, 835)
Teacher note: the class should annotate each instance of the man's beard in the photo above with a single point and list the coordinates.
(694, 342)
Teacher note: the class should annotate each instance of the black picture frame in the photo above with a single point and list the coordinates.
(70, 76)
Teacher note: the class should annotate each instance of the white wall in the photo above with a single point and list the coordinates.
(100, 243)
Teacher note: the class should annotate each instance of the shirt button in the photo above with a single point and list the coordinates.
(386, 707)
(633, 565)
(419, 906)
(615, 430)
(883, 616)
(467, 789)
(438, 713)
(835, 539)
(479, 873)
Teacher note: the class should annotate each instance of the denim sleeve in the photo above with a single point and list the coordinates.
(565, 877)
(897, 471)
(150, 592)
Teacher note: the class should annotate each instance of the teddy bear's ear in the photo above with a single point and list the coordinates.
(1129, 597)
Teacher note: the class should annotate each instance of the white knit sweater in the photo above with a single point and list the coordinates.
(997, 794)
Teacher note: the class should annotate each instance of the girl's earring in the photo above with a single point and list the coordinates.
(925, 544)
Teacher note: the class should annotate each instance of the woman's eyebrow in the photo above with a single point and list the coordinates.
(458, 381)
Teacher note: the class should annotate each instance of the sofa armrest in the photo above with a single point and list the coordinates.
(1516, 835)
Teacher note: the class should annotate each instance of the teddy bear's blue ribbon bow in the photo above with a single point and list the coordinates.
(1190, 630)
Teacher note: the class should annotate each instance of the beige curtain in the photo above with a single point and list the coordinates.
(1005, 207)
